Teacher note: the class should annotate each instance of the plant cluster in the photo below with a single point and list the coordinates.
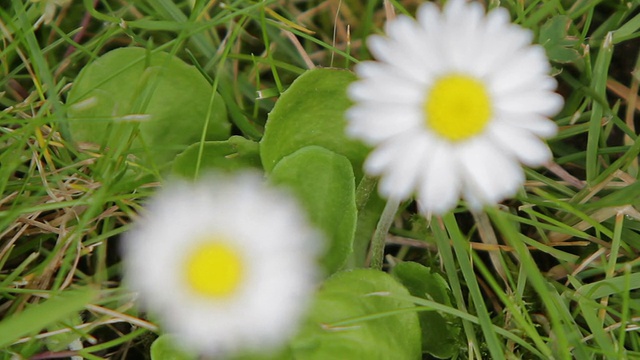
(396, 179)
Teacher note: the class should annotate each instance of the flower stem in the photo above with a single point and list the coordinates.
(366, 186)
(379, 236)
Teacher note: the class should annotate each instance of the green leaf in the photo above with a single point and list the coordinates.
(368, 217)
(560, 46)
(165, 348)
(628, 195)
(590, 309)
(325, 185)
(232, 154)
(352, 318)
(608, 287)
(44, 314)
(311, 112)
(130, 89)
(440, 333)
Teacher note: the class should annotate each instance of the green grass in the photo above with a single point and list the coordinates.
(565, 283)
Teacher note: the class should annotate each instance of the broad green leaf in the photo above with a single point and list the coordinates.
(232, 154)
(39, 316)
(131, 90)
(351, 318)
(559, 45)
(311, 112)
(325, 185)
(165, 348)
(440, 333)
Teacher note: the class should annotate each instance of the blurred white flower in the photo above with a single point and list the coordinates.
(456, 101)
(226, 264)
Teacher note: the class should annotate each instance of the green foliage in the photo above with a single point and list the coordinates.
(559, 45)
(356, 314)
(147, 103)
(440, 332)
(165, 348)
(324, 183)
(39, 316)
(370, 206)
(354, 318)
(311, 112)
(561, 282)
(233, 154)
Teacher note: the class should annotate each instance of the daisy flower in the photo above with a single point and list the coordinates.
(226, 264)
(457, 100)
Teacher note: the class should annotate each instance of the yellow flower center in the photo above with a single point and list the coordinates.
(214, 268)
(457, 107)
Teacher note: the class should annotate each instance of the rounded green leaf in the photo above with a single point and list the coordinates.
(440, 333)
(335, 329)
(130, 90)
(165, 348)
(325, 185)
(232, 154)
(311, 112)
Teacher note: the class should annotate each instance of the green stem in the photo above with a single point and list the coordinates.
(379, 236)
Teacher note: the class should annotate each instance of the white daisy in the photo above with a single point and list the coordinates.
(226, 264)
(456, 101)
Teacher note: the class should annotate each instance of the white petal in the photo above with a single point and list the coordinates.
(383, 156)
(439, 189)
(383, 83)
(453, 9)
(489, 174)
(528, 148)
(401, 177)
(497, 19)
(459, 37)
(536, 124)
(539, 102)
(501, 40)
(407, 56)
(522, 68)
(472, 198)
(376, 91)
(387, 72)
(374, 123)
(512, 37)
(428, 15)
(500, 86)
(429, 18)
(408, 34)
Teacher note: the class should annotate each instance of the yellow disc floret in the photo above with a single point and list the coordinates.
(457, 107)
(214, 268)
